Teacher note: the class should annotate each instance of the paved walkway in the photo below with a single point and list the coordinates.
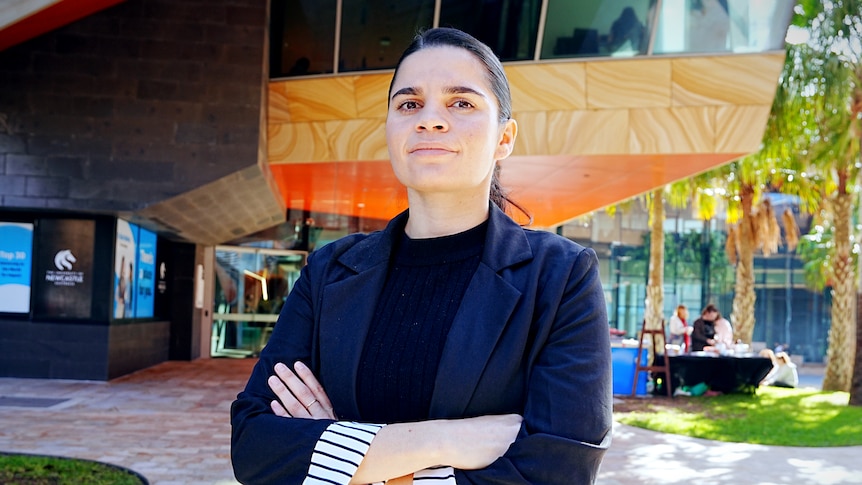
(170, 423)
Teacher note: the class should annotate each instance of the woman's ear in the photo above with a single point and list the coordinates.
(507, 139)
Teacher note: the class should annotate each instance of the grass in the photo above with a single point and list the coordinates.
(772, 416)
(46, 470)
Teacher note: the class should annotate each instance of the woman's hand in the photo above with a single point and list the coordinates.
(300, 395)
(467, 444)
(477, 442)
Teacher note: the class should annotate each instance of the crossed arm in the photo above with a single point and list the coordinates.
(403, 448)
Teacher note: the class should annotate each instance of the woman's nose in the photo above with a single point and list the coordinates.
(431, 120)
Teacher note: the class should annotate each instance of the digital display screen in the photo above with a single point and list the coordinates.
(16, 259)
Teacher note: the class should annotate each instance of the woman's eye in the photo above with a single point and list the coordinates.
(408, 105)
(463, 104)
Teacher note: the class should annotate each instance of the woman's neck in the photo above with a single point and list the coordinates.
(436, 215)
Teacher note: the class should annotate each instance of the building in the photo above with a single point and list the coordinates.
(152, 126)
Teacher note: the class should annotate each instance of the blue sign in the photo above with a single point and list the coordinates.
(125, 256)
(145, 284)
(16, 256)
(134, 271)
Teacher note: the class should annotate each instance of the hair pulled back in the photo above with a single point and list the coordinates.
(448, 37)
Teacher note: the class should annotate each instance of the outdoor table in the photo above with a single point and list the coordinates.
(727, 374)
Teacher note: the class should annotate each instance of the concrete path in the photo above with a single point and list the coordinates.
(170, 423)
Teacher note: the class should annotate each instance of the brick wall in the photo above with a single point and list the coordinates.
(132, 105)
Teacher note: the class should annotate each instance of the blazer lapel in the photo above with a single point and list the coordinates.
(344, 324)
(472, 338)
(484, 313)
(347, 314)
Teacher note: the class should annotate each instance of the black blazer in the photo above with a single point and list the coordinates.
(530, 337)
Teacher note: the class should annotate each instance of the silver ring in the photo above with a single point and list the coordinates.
(311, 404)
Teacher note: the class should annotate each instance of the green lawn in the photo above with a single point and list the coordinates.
(44, 470)
(773, 416)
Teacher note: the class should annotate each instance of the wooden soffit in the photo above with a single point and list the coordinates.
(591, 134)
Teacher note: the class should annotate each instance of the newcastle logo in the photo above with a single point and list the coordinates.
(64, 276)
(63, 260)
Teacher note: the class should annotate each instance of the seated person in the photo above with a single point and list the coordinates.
(783, 373)
(723, 333)
(704, 329)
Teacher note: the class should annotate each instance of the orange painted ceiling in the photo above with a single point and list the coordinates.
(554, 189)
(37, 22)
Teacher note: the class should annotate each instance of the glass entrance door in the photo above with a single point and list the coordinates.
(251, 285)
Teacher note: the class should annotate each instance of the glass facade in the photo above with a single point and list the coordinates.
(251, 285)
(302, 37)
(697, 272)
(507, 27)
(596, 28)
(372, 33)
(703, 26)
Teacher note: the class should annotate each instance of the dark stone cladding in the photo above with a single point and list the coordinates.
(89, 351)
(113, 112)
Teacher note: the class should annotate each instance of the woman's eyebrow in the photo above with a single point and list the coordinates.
(462, 90)
(413, 91)
(408, 91)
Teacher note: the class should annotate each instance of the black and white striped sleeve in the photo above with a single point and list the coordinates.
(338, 452)
(443, 475)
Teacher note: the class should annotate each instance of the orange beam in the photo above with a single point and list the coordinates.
(50, 18)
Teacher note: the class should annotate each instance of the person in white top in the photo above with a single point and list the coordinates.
(723, 333)
(680, 330)
(783, 373)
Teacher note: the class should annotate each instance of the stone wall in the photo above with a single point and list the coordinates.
(134, 105)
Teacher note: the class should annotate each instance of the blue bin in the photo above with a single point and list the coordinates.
(623, 359)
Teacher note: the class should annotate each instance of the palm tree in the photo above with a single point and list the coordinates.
(816, 121)
(655, 281)
(751, 227)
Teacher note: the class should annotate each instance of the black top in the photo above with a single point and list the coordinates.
(426, 283)
(703, 330)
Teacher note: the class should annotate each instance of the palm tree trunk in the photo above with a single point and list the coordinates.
(856, 381)
(655, 283)
(840, 354)
(744, 295)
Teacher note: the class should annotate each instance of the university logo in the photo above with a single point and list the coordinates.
(63, 260)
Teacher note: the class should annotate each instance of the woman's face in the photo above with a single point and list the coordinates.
(443, 129)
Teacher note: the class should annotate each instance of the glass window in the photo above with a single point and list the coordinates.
(722, 25)
(374, 33)
(302, 37)
(508, 27)
(576, 28)
(251, 286)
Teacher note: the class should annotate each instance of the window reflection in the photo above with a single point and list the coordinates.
(302, 37)
(575, 28)
(508, 27)
(703, 26)
(251, 286)
(374, 33)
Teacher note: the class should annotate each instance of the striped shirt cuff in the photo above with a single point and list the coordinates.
(444, 475)
(339, 451)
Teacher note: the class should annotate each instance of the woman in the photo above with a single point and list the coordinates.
(723, 333)
(680, 330)
(704, 329)
(454, 345)
(783, 372)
